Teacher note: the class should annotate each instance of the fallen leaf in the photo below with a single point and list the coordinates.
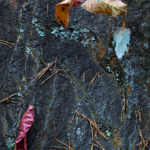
(63, 9)
(25, 124)
(121, 41)
(110, 7)
(76, 3)
(62, 13)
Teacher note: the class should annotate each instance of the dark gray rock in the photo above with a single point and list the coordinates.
(85, 47)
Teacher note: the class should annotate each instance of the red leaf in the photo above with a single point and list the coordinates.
(77, 2)
(25, 124)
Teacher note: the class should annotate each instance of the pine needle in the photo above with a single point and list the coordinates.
(139, 113)
(8, 98)
(93, 79)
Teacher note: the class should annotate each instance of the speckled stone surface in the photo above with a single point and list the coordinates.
(85, 49)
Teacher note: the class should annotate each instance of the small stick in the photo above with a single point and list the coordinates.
(123, 108)
(92, 136)
(91, 82)
(58, 147)
(65, 145)
(46, 64)
(8, 98)
(83, 77)
(41, 73)
(69, 144)
(97, 129)
(45, 69)
(92, 123)
(139, 113)
(94, 145)
(99, 144)
(142, 139)
(143, 143)
(63, 75)
(92, 132)
(62, 143)
(49, 77)
(51, 70)
(7, 42)
(60, 70)
(54, 126)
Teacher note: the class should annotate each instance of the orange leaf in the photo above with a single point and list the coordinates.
(63, 9)
(62, 13)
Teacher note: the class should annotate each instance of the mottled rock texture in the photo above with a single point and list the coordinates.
(84, 48)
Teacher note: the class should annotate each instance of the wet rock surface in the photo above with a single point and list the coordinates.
(110, 91)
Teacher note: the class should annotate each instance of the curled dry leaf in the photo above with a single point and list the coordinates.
(25, 124)
(110, 7)
(63, 9)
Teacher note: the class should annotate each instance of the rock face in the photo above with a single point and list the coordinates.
(87, 77)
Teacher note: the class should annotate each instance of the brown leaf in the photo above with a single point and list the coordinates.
(110, 7)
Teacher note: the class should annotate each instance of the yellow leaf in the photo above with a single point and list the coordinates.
(110, 7)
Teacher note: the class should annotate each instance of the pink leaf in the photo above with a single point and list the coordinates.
(77, 2)
(25, 124)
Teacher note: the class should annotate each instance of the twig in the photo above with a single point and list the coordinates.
(62, 75)
(94, 145)
(49, 77)
(92, 136)
(93, 124)
(48, 67)
(53, 70)
(143, 143)
(42, 72)
(64, 144)
(123, 109)
(54, 126)
(8, 98)
(58, 147)
(7, 43)
(99, 144)
(69, 144)
(139, 113)
(93, 79)
(83, 77)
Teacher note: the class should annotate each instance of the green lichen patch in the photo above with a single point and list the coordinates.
(82, 35)
(10, 143)
(39, 28)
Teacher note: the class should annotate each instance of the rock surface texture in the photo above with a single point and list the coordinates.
(87, 77)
